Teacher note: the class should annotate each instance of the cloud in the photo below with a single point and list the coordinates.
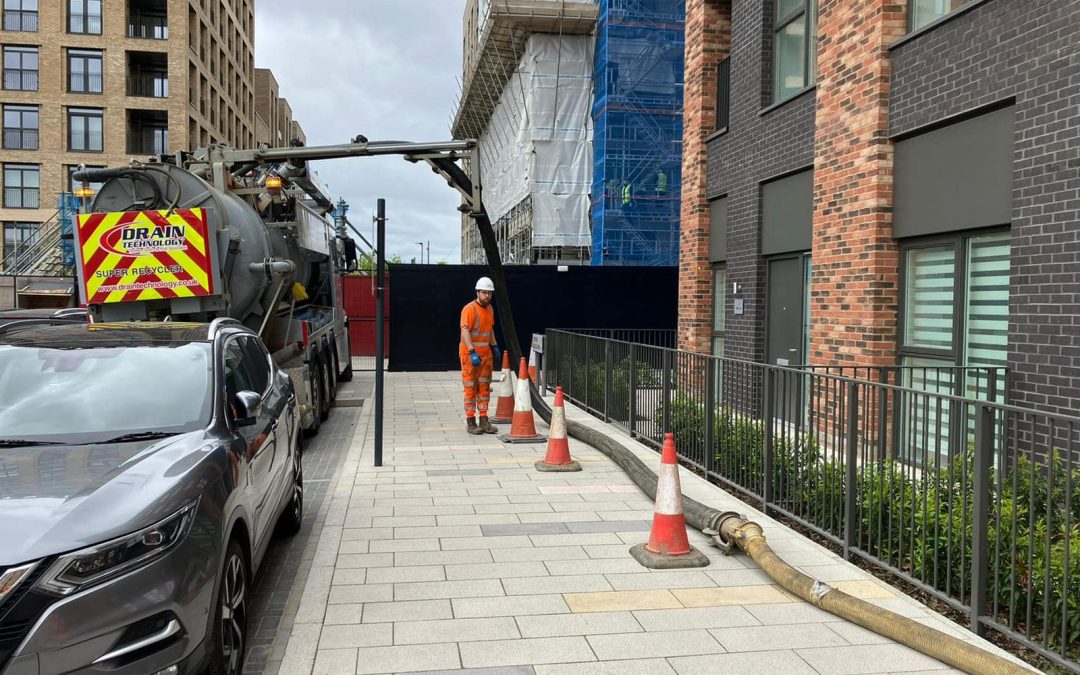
(383, 68)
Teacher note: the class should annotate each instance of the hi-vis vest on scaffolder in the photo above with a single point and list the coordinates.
(480, 321)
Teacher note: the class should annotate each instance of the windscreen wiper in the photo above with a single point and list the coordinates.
(22, 443)
(141, 436)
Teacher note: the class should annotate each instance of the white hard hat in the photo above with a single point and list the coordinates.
(485, 284)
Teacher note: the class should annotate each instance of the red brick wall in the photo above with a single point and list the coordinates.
(854, 288)
(708, 35)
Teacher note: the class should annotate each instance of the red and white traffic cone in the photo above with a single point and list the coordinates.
(558, 449)
(523, 427)
(532, 365)
(668, 545)
(504, 403)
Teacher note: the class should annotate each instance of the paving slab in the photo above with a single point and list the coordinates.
(457, 556)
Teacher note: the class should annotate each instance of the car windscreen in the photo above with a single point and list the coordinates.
(90, 394)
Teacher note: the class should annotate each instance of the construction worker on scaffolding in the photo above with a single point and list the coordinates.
(479, 352)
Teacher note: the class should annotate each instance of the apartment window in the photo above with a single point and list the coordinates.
(85, 132)
(955, 318)
(84, 16)
(74, 184)
(21, 15)
(719, 302)
(84, 71)
(22, 186)
(17, 238)
(21, 68)
(794, 47)
(925, 12)
(21, 127)
(723, 93)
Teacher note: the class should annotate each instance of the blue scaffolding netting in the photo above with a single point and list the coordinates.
(637, 132)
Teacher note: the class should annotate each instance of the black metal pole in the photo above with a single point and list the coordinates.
(380, 271)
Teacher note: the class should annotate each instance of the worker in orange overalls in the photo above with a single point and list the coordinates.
(479, 352)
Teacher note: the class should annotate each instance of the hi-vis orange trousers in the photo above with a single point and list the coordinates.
(476, 380)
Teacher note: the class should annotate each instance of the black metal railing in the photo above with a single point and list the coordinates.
(85, 83)
(89, 24)
(21, 139)
(22, 80)
(152, 86)
(21, 198)
(972, 500)
(16, 19)
(148, 26)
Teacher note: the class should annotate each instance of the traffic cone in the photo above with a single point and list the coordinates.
(558, 449)
(522, 428)
(504, 401)
(668, 545)
(532, 365)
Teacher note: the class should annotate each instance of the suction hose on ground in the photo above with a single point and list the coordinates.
(728, 529)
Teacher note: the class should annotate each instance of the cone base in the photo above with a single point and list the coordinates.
(569, 466)
(507, 438)
(656, 561)
(502, 420)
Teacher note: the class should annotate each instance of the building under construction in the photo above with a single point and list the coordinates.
(577, 105)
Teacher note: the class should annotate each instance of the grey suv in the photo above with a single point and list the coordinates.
(143, 471)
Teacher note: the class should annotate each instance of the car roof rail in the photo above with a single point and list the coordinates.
(46, 321)
(220, 323)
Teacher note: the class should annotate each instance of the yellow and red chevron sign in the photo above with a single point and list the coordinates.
(144, 255)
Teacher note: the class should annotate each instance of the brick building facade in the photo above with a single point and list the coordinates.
(900, 188)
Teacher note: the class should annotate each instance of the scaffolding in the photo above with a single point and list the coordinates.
(526, 96)
(637, 132)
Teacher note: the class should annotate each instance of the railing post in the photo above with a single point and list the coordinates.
(883, 415)
(710, 412)
(980, 517)
(768, 406)
(607, 380)
(665, 385)
(633, 383)
(852, 458)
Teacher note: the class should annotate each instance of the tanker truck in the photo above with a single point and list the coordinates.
(179, 239)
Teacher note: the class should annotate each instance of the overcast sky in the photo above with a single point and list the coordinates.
(383, 68)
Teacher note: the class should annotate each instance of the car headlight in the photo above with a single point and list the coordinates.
(81, 569)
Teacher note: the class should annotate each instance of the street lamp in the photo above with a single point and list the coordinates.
(421, 245)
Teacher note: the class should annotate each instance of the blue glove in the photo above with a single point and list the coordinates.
(497, 353)
(474, 357)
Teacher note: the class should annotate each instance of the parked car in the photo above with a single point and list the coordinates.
(144, 468)
(73, 314)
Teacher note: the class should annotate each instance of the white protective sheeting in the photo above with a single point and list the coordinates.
(539, 140)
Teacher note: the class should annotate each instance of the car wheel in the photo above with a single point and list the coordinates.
(315, 398)
(229, 635)
(293, 515)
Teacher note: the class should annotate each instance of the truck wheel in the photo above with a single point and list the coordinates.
(333, 369)
(315, 399)
(327, 384)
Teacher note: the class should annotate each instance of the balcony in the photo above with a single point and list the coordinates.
(148, 132)
(148, 19)
(148, 74)
(16, 19)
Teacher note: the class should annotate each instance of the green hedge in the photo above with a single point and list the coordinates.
(933, 508)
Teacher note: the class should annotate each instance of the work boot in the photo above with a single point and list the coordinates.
(487, 427)
(470, 426)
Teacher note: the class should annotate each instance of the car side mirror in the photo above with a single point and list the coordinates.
(246, 407)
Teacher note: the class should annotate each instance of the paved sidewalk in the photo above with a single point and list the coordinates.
(458, 554)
